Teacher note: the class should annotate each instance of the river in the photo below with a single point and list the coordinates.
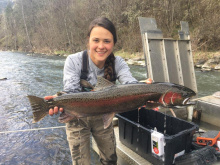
(42, 75)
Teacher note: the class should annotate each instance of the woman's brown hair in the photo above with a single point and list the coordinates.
(109, 72)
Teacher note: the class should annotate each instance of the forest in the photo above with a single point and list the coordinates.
(56, 26)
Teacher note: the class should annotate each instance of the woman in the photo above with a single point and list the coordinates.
(101, 62)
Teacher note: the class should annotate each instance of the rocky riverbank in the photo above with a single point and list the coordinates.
(211, 64)
(206, 61)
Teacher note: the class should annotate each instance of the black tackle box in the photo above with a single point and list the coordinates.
(137, 127)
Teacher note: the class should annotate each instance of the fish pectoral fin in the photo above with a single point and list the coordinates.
(65, 117)
(151, 105)
(107, 119)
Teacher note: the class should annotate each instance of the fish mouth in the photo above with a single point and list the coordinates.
(187, 101)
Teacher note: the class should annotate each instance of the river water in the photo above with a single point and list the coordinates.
(42, 75)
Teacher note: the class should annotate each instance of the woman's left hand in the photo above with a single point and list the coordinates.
(149, 81)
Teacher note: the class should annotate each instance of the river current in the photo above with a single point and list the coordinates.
(42, 75)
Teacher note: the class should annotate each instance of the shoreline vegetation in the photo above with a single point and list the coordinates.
(60, 27)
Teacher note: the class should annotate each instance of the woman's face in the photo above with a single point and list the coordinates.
(101, 45)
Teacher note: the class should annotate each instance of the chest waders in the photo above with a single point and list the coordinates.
(79, 130)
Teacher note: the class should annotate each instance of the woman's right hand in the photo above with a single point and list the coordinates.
(55, 110)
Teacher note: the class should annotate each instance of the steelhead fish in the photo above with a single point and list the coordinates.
(108, 99)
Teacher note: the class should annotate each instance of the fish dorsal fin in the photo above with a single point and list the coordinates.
(102, 83)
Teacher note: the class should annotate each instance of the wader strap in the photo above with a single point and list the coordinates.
(114, 75)
(85, 64)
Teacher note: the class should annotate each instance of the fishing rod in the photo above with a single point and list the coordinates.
(33, 129)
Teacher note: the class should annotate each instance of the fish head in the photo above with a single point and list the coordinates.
(177, 95)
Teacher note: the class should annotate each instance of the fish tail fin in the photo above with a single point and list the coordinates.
(39, 108)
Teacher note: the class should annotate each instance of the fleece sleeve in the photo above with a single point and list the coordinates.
(123, 73)
(71, 74)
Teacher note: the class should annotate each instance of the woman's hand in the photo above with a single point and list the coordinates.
(54, 110)
(149, 81)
